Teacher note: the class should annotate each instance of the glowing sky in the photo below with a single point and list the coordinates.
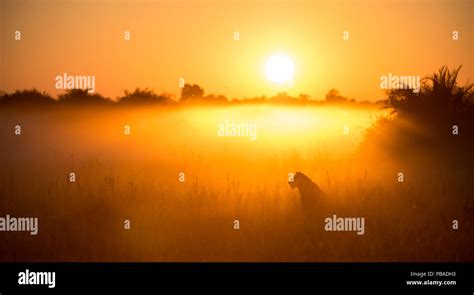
(194, 40)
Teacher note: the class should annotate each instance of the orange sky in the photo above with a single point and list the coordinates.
(194, 40)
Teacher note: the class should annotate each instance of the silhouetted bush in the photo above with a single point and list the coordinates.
(216, 98)
(283, 98)
(82, 97)
(26, 97)
(437, 123)
(143, 97)
(439, 100)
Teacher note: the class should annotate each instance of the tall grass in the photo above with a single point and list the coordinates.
(136, 178)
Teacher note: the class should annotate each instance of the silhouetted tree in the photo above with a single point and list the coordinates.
(191, 92)
(333, 96)
(304, 98)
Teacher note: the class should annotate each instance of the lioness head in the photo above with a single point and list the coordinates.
(298, 180)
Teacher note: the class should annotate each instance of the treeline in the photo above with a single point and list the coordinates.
(141, 97)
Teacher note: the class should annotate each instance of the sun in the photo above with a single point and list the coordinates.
(279, 68)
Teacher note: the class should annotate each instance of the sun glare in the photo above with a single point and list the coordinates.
(279, 68)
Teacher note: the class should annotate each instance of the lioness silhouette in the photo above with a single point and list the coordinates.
(310, 193)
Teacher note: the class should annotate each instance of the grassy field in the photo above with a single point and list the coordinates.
(135, 177)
